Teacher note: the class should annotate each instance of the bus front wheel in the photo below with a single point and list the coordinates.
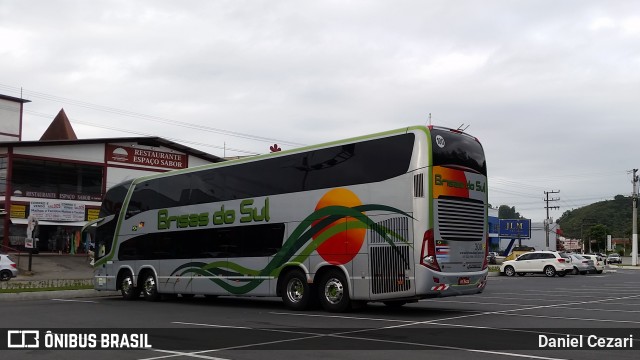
(334, 291)
(150, 288)
(296, 292)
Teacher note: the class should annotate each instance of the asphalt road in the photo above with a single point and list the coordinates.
(506, 321)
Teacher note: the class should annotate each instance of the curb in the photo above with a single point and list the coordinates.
(22, 283)
(56, 294)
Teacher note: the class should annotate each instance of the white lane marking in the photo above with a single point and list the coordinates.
(435, 321)
(606, 310)
(73, 300)
(345, 336)
(340, 317)
(573, 318)
(179, 353)
(212, 325)
(198, 354)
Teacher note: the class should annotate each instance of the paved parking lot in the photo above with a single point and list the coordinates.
(506, 321)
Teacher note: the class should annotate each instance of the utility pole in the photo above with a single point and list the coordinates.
(634, 238)
(546, 222)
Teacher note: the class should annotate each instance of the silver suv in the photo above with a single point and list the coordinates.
(550, 263)
(8, 268)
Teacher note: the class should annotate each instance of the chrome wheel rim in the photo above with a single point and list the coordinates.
(127, 285)
(333, 291)
(295, 290)
(149, 285)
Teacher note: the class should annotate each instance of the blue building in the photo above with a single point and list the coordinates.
(494, 229)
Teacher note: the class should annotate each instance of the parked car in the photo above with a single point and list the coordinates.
(598, 261)
(8, 268)
(581, 265)
(550, 263)
(614, 258)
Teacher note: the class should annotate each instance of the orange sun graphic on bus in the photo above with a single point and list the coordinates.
(343, 246)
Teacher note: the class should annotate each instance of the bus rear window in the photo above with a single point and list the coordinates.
(454, 149)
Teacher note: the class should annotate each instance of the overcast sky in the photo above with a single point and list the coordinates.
(551, 88)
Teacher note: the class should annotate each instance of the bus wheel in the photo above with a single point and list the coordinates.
(150, 288)
(128, 290)
(334, 291)
(296, 292)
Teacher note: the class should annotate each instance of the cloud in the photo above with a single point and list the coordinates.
(549, 87)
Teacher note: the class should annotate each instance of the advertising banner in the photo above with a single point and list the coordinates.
(54, 210)
(515, 228)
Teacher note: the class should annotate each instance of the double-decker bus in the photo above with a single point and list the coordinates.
(392, 217)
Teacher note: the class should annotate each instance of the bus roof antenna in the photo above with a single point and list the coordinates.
(461, 129)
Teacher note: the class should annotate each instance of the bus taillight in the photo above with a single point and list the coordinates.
(428, 255)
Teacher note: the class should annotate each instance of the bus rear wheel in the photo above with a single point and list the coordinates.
(127, 288)
(334, 291)
(296, 292)
(150, 288)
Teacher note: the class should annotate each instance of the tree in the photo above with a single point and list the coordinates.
(598, 233)
(506, 212)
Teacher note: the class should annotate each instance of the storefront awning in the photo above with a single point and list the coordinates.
(47, 222)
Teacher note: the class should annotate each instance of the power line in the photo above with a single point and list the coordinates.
(121, 112)
(147, 134)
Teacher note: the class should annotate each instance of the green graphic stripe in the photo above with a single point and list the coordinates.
(324, 228)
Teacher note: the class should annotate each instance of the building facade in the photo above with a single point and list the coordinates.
(59, 181)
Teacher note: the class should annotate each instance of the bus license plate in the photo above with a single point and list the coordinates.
(464, 281)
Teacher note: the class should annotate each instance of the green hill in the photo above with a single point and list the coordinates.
(615, 214)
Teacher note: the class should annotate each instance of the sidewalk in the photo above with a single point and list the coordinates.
(53, 266)
(51, 271)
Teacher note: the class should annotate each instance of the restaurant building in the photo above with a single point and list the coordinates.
(59, 181)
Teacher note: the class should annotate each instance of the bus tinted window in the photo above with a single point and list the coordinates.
(160, 193)
(458, 150)
(113, 199)
(364, 162)
(227, 242)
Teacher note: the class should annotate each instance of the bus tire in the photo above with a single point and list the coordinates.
(334, 291)
(150, 287)
(296, 292)
(127, 288)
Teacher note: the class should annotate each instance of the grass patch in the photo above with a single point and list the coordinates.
(60, 288)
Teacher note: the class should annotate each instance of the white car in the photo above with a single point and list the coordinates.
(550, 263)
(8, 268)
(598, 262)
(582, 265)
